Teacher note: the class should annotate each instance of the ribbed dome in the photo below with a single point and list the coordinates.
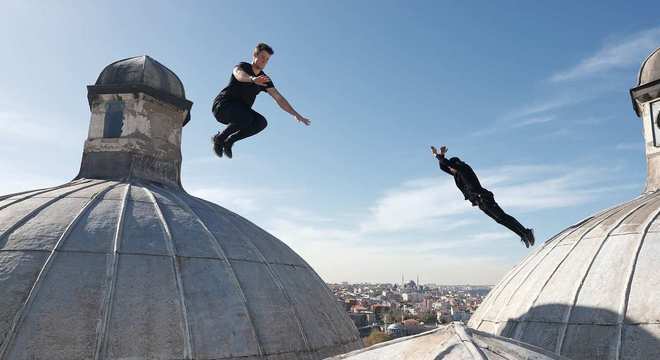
(142, 70)
(108, 270)
(141, 74)
(650, 69)
(590, 292)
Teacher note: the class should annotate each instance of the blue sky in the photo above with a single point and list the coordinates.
(533, 95)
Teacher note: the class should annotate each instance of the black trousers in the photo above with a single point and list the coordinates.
(241, 121)
(487, 204)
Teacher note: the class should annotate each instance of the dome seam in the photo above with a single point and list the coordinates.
(19, 317)
(518, 333)
(169, 243)
(514, 273)
(631, 272)
(278, 283)
(564, 328)
(42, 192)
(110, 282)
(528, 274)
(40, 208)
(221, 251)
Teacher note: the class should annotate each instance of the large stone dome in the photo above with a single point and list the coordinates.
(122, 263)
(133, 270)
(590, 292)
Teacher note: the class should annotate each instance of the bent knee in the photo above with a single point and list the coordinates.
(260, 122)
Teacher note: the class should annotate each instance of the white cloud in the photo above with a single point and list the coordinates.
(536, 112)
(415, 205)
(534, 120)
(613, 55)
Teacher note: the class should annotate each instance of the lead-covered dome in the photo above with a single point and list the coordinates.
(650, 69)
(142, 70)
(141, 74)
(590, 292)
(647, 86)
(115, 270)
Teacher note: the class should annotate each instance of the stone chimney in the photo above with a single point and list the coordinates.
(138, 109)
(646, 102)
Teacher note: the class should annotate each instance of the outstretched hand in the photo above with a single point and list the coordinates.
(434, 151)
(303, 120)
(443, 150)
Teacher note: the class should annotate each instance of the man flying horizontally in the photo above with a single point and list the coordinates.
(233, 106)
(467, 181)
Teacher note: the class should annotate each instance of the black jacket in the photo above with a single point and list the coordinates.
(465, 178)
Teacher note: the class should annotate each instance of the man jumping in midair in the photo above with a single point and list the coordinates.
(233, 106)
(467, 181)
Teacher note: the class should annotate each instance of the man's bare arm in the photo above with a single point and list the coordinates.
(284, 104)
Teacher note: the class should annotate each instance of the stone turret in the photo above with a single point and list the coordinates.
(138, 109)
(646, 103)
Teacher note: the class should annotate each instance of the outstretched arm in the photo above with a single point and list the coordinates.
(284, 104)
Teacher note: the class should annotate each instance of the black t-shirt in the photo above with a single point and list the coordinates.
(242, 91)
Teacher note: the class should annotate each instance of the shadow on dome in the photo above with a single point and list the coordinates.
(591, 333)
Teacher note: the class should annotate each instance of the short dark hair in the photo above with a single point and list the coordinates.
(263, 47)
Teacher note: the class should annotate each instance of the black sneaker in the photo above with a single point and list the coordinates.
(217, 146)
(227, 149)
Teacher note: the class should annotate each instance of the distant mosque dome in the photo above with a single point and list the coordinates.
(122, 263)
(593, 290)
(395, 326)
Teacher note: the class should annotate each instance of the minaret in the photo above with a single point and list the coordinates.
(138, 109)
(646, 102)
